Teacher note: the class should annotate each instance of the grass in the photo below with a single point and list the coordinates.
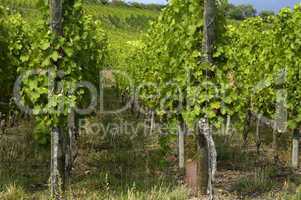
(259, 182)
(121, 167)
(297, 196)
(14, 192)
(20, 3)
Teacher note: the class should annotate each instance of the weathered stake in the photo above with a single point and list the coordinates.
(57, 162)
(207, 161)
(257, 134)
(295, 149)
(55, 174)
(209, 29)
(70, 153)
(181, 141)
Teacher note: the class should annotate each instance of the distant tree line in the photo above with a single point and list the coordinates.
(122, 3)
(244, 11)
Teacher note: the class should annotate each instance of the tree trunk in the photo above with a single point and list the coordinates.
(209, 29)
(207, 159)
(56, 14)
(57, 154)
(202, 166)
(295, 149)
(55, 176)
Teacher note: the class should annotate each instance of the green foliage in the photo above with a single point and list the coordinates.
(263, 57)
(127, 5)
(266, 13)
(257, 66)
(297, 196)
(41, 132)
(121, 18)
(12, 40)
(152, 6)
(104, 2)
(132, 22)
(162, 192)
(33, 51)
(119, 3)
(80, 52)
(168, 64)
(21, 4)
(102, 11)
(240, 12)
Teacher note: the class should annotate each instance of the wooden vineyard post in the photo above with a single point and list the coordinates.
(207, 158)
(295, 149)
(209, 29)
(275, 143)
(152, 122)
(207, 151)
(70, 146)
(57, 153)
(246, 128)
(181, 144)
(257, 134)
(54, 171)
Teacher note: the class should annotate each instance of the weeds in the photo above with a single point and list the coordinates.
(261, 181)
(297, 196)
(13, 192)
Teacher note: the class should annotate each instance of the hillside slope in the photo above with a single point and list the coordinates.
(121, 23)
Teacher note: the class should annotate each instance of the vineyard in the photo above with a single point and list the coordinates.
(109, 100)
